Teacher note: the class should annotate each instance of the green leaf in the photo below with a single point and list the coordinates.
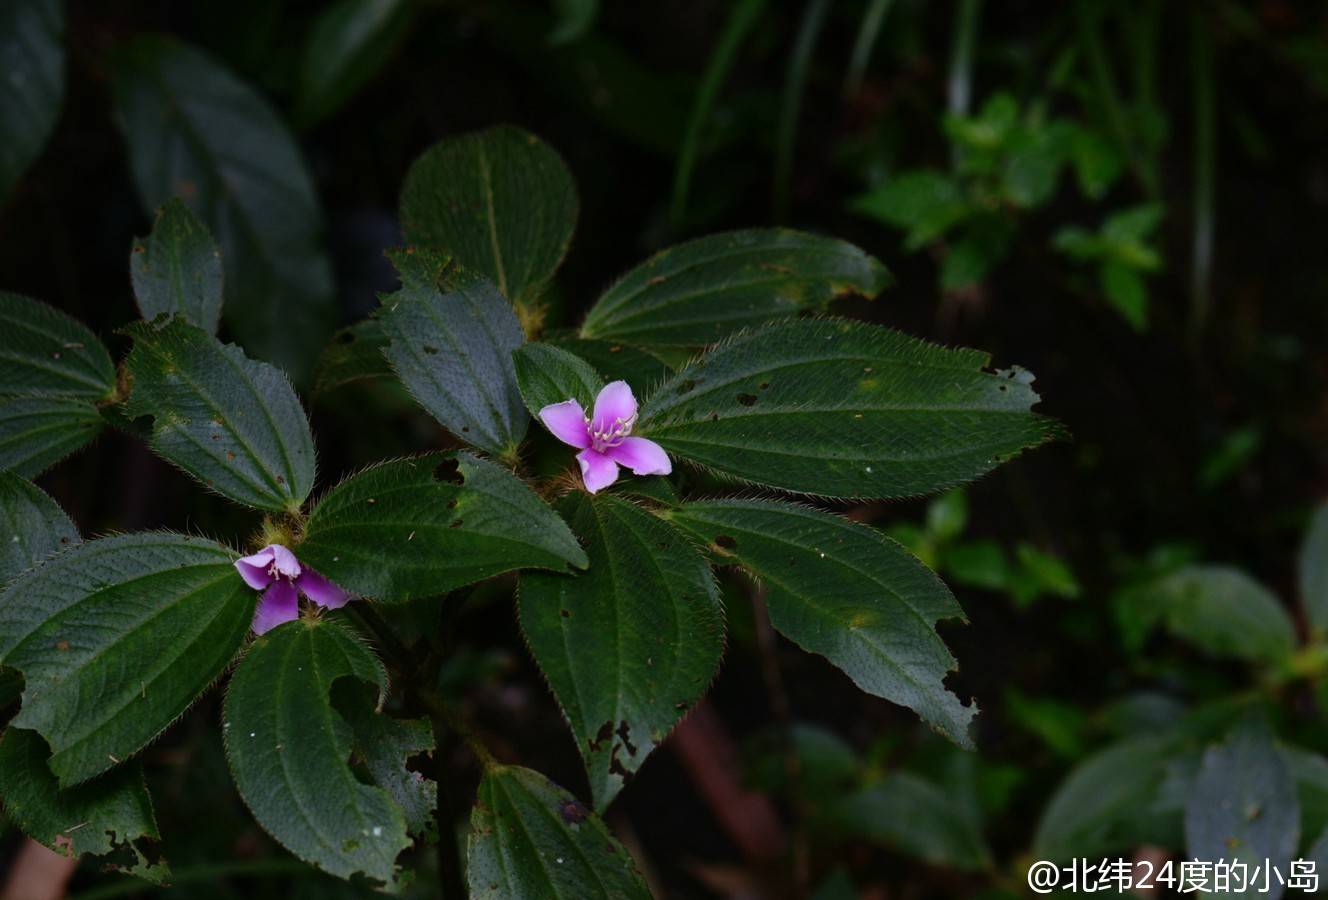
(1126, 291)
(424, 526)
(112, 814)
(196, 131)
(916, 817)
(452, 349)
(532, 840)
(38, 432)
(547, 374)
(501, 201)
(926, 204)
(116, 637)
(630, 644)
(33, 527)
(1224, 612)
(574, 19)
(32, 46)
(176, 269)
(1313, 570)
(701, 291)
(45, 353)
(288, 749)
(1243, 806)
(844, 409)
(233, 423)
(1094, 811)
(616, 361)
(848, 593)
(355, 353)
(384, 744)
(349, 43)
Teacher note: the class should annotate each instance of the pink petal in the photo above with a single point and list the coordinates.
(253, 569)
(567, 421)
(320, 590)
(280, 604)
(597, 470)
(615, 403)
(284, 560)
(642, 456)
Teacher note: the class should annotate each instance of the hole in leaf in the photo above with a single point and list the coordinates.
(726, 541)
(449, 470)
(431, 350)
(747, 399)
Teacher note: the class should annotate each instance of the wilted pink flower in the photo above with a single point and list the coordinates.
(604, 438)
(276, 572)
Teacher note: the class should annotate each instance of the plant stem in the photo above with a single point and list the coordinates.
(813, 18)
(863, 44)
(1205, 176)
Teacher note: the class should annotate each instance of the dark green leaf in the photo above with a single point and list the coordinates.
(630, 644)
(32, 46)
(1093, 811)
(574, 19)
(1243, 806)
(288, 750)
(232, 422)
(350, 42)
(616, 361)
(116, 637)
(355, 353)
(1314, 570)
(452, 348)
(424, 526)
(917, 817)
(109, 815)
(532, 840)
(195, 131)
(32, 527)
(38, 432)
(844, 409)
(925, 204)
(547, 374)
(384, 744)
(847, 592)
(1225, 612)
(45, 353)
(176, 269)
(699, 292)
(501, 201)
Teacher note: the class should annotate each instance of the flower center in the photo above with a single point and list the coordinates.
(605, 435)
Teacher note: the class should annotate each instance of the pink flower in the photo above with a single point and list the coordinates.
(604, 440)
(276, 572)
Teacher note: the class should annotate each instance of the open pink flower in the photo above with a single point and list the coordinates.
(604, 439)
(276, 572)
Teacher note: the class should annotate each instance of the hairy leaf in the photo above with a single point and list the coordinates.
(288, 750)
(32, 46)
(843, 409)
(110, 815)
(355, 353)
(616, 361)
(847, 592)
(501, 201)
(546, 374)
(701, 291)
(38, 432)
(45, 353)
(232, 422)
(424, 526)
(452, 348)
(384, 744)
(630, 644)
(195, 131)
(115, 638)
(1243, 805)
(350, 42)
(532, 840)
(176, 269)
(33, 527)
